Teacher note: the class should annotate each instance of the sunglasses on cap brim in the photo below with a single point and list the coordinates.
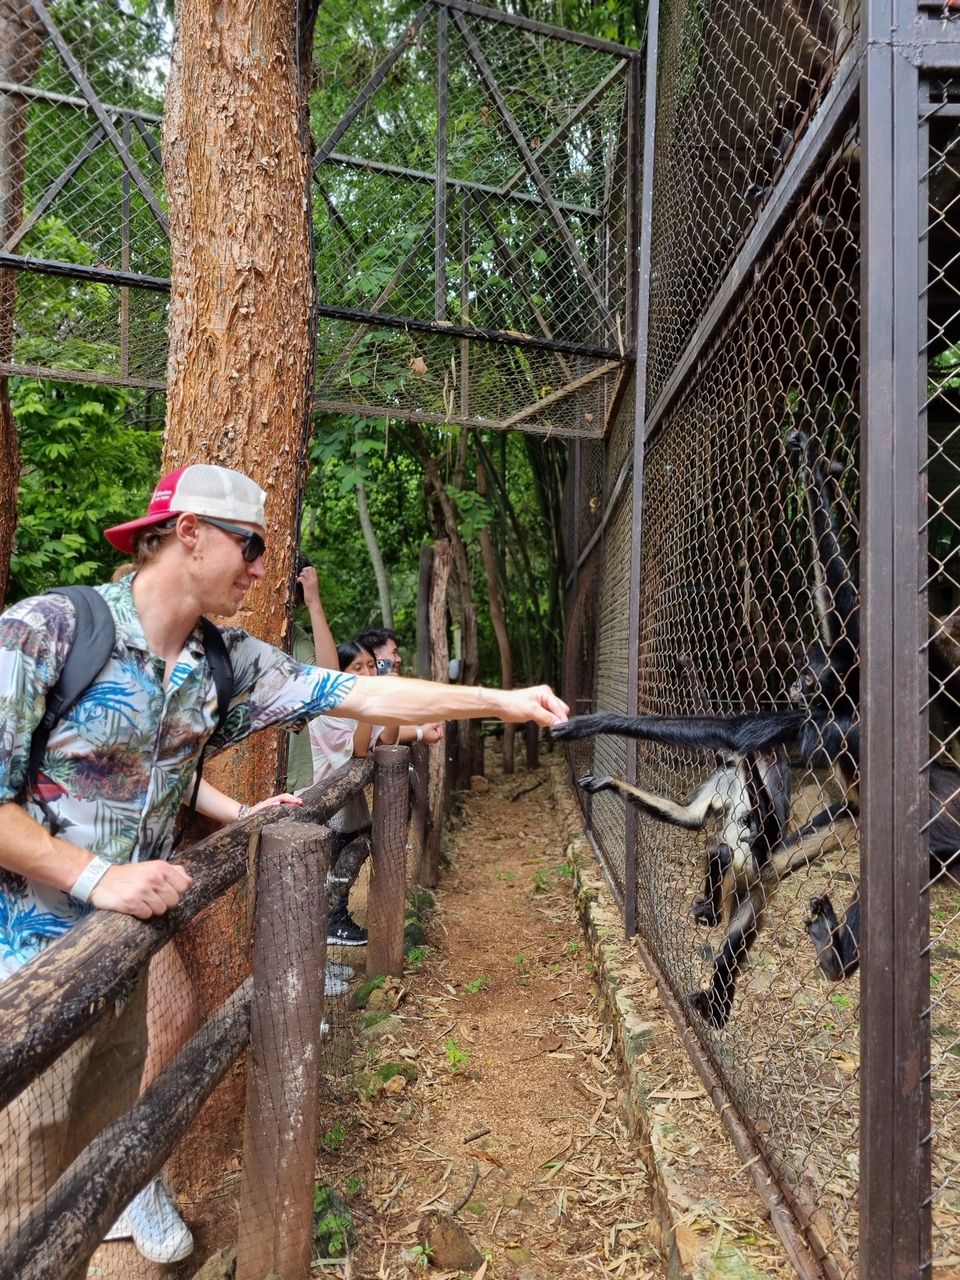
(252, 544)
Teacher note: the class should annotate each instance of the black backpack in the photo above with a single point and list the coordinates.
(92, 645)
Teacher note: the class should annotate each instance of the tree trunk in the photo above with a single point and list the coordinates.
(439, 661)
(376, 557)
(498, 620)
(469, 731)
(239, 380)
(21, 47)
(236, 164)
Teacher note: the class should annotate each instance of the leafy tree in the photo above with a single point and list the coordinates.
(89, 458)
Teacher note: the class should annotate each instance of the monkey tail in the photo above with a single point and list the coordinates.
(740, 735)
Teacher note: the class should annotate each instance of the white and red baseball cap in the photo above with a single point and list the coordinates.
(206, 491)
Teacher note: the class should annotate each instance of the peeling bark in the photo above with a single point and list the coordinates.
(240, 373)
(21, 47)
(236, 165)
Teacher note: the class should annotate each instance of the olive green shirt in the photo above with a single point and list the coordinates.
(299, 757)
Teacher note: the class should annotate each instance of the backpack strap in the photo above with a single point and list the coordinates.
(94, 636)
(221, 668)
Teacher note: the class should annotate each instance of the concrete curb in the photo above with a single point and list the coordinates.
(645, 1038)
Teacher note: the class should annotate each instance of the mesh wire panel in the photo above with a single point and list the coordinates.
(729, 588)
(737, 84)
(609, 753)
(942, 532)
(502, 211)
(70, 196)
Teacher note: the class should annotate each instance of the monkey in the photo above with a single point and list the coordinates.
(749, 796)
(822, 728)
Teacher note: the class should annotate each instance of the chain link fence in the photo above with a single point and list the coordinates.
(765, 551)
(940, 169)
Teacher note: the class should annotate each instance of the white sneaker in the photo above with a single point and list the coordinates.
(158, 1231)
(334, 986)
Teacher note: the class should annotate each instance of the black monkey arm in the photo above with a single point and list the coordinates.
(840, 610)
(738, 735)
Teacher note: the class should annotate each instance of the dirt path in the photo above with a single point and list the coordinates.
(500, 1035)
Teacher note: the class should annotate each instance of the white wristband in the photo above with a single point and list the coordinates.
(419, 732)
(89, 878)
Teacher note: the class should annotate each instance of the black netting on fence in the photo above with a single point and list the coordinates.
(474, 256)
(503, 212)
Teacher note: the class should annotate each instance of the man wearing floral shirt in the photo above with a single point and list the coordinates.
(117, 767)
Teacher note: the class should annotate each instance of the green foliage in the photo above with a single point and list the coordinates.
(458, 1059)
(334, 1137)
(333, 1229)
(360, 996)
(87, 463)
(541, 881)
(417, 955)
(476, 986)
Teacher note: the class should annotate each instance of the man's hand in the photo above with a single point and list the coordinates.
(539, 704)
(432, 733)
(307, 577)
(142, 889)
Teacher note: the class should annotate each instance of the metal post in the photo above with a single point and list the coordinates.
(895, 981)
(642, 157)
(125, 259)
(282, 1118)
(388, 862)
(532, 731)
(440, 187)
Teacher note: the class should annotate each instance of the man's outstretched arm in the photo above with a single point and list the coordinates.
(400, 701)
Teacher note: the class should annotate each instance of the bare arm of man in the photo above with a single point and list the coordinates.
(400, 701)
(141, 889)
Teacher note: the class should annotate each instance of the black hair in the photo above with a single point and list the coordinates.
(376, 638)
(351, 649)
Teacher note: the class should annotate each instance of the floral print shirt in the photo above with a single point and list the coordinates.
(117, 765)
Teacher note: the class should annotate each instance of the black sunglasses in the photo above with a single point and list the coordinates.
(252, 544)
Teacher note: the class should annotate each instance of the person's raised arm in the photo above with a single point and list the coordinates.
(323, 641)
(400, 701)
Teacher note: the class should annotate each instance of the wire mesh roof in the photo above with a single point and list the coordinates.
(474, 180)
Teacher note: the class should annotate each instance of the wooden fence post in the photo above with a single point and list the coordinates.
(387, 894)
(419, 806)
(533, 744)
(282, 1117)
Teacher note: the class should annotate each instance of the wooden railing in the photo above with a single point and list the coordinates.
(277, 1011)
